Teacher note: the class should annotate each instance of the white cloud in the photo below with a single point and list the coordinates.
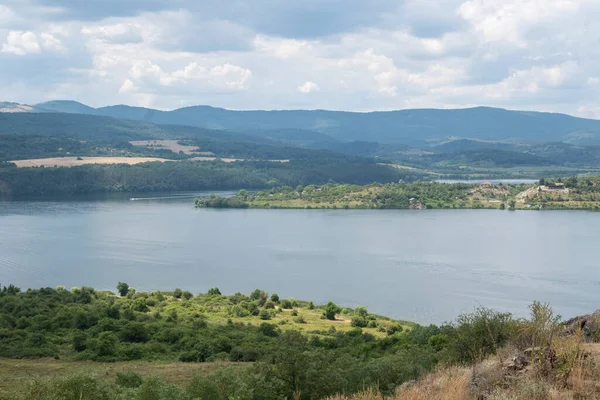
(224, 77)
(6, 15)
(593, 81)
(308, 87)
(119, 32)
(50, 42)
(282, 48)
(21, 43)
(127, 87)
(417, 53)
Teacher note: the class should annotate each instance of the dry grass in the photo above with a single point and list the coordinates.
(73, 161)
(15, 374)
(448, 384)
(574, 375)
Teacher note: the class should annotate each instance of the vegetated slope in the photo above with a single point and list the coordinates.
(94, 127)
(418, 195)
(405, 126)
(190, 175)
(286, 349)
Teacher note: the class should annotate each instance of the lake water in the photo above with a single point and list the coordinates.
(425, 266)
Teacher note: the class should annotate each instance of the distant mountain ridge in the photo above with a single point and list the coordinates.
(415, 127)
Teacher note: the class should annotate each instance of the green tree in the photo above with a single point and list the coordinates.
(122, 288)
(107, 344)
(331, 310)
(177, 293)
(275, 298)
(265, 315)
(361, 311)
(214, 292)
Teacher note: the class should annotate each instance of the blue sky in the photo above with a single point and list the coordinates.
(278, 54)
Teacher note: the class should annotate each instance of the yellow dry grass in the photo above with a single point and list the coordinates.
(73, 161)
(449, 384)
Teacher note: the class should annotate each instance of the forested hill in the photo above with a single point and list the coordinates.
(414, 127)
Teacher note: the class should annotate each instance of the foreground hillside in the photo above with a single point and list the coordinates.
(86, 344)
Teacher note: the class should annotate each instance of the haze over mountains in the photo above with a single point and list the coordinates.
(416, 127)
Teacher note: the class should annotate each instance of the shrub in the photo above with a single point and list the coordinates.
(270, 305)
(106, 344)
(268, 329)
(177, 293)
(265, 315)
(311, 306)
(140, 305)
(480, 333)
(286, 304)
(359, 322)
(300, 320)
(129, 379)
(134, 332)
(214, 292)
(275, 298)
(294, 313)
(239, 311)
(361, 311)
(331, 310)
(244, 355)
(72, 387)
(79, 341)
(392, 329)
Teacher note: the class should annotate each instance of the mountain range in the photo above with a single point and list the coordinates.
(414, 127)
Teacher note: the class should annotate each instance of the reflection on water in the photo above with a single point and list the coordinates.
(426, 266)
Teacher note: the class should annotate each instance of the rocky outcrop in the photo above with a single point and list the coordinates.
(588, 324)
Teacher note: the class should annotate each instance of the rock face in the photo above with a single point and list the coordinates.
(589, 325)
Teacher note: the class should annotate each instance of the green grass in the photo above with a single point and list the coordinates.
(17, 374)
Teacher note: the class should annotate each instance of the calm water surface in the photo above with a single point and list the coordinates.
(425, 266)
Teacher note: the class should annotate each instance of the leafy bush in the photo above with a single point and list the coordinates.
(286, 304)
(265, 315)
(129, 379)
(331, 310)
(359, 322)
(480, 333)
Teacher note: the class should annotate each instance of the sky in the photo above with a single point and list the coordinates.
(353, 55)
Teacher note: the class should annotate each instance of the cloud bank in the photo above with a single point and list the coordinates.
(333, 54)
